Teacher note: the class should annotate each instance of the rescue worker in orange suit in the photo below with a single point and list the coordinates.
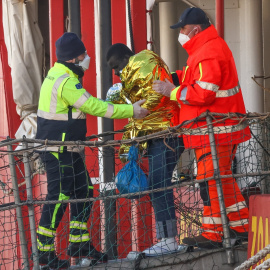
(209, 82)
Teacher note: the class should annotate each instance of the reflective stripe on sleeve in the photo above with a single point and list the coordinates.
(185, 73)
(81, 100)
(219, 92)
(109, 112)
(200, 68)
(208, 86)
(184, 95)
(228, 93)
(173, 93)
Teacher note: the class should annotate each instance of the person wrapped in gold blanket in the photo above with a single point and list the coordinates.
(137, 73)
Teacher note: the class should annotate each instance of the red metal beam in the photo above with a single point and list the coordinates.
(118, 17)
(220, 17)
(56, 28)
(89, 83)
(88, 38)
(124, 237)
(118, 24)
(89, 80)
(56, 20)
(138, 16)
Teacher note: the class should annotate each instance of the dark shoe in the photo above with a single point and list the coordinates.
(86, 249)
(239, 235)
(50, 259)
(201, 242)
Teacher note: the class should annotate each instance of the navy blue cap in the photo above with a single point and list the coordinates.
(69, 46)
(192, 16)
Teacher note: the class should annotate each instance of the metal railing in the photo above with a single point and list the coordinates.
(259, 144)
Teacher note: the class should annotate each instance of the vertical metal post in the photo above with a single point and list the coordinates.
(56, 27)
(220, 17)
(74, 17)
(224, 220)
(18, 208)
(31, 210)
(107, 125)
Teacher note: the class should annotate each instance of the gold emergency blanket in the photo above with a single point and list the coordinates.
(137, 78)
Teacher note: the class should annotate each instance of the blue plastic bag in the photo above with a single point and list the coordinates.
(131, 177)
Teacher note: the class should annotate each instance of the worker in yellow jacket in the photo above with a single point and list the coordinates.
(62, 110)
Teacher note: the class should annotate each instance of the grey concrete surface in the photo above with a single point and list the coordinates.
(197, 260)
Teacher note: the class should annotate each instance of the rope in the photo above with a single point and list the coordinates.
(172, 131)
(107, 133)
(260, 77)
(141, 193)
(264, 265)
(254, 259)
(29, 108)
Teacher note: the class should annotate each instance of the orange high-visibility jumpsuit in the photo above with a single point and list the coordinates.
(210, 82)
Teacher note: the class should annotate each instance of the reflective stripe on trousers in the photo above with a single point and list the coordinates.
(236, 209)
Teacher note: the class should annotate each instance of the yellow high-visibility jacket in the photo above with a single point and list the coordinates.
(63, 105)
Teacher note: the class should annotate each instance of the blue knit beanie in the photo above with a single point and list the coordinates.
(69, 46)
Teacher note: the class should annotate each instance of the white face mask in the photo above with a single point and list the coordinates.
(85, 62)
(182, 38)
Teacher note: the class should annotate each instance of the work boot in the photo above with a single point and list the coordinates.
(50, 259)
(201, 242)
(239, 235)
(86, 249)
(165, 246)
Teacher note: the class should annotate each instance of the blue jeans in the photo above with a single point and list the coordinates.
(162, 162)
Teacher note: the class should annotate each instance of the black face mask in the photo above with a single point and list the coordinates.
(77, 70)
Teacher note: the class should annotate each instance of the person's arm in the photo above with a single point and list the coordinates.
(206, 82)
(206, 79)
(76, 96)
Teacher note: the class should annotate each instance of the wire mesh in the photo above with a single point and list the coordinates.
(118, 223)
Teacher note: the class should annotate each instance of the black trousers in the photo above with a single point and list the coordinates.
(67, 178)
